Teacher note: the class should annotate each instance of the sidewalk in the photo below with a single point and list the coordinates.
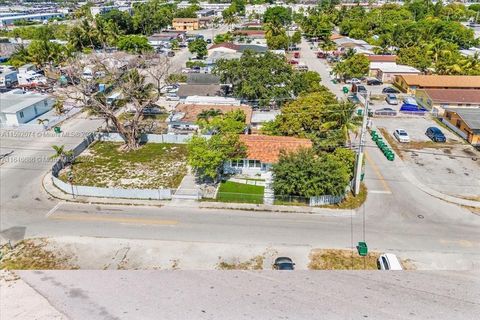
(180, 203)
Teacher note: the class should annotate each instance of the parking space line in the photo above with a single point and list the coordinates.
(380, 191)
(377, 172)
(103, 218)
(52, 211)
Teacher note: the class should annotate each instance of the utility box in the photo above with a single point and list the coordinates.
(362, 249)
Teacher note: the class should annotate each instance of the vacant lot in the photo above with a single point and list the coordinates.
(240, 193)
(330, 259)
(154, 165)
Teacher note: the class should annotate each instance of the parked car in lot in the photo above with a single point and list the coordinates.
(390, 90)
(435, 134)
(374, 82)
(385, 112)
(172, 97)
(361, 89)
(353, 81)
(388, 261)
(401, 135)
(283, 263)
(391, 99)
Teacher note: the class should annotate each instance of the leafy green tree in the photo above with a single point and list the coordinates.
(307, 174)
(134, 44)
(415, 57)
(317, 26)
(223, 37)
(356, 66)
(296, 38)
(42, 53)
(231, 122)
(152, 16)
(280, 16)
(189, 12)
(207, 156)
(306, 82)
(199, 47)
(262, 77)
(122, 19)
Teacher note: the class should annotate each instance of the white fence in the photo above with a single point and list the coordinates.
(327, 199)
(88, 191)
(155, 138)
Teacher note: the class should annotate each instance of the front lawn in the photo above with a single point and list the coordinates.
(240, 193)
(154, 165)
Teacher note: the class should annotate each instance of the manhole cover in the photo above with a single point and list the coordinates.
(420, 216)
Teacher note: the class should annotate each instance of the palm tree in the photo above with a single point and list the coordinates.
(208, 114)
(58, 107)
(342, 118)
(43, 122)
(61, 153)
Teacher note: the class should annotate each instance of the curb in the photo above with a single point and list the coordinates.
(56, 193)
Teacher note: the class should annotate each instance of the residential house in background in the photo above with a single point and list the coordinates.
(186, 24)
(410, 83)
(228, 101)
(183, 119)
(18, 107)
(260, 117)
(209, 90)
(439, 99)
(387, 71)
(262, 153)
(465, 122)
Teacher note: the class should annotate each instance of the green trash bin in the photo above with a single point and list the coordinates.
(345, 90)
(362, 249)
(362, 176)
(373, 132)
(57, 130)
(359, 112)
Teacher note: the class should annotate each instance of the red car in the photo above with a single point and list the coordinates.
(296, 55)
(293, 62)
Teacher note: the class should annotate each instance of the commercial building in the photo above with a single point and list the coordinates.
(410, 83)
(17, 107)
(439, 99)
(186, 24)
(40, 17)
(465, 122)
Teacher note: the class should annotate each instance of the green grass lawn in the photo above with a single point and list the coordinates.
(154, 165)
(239, 192)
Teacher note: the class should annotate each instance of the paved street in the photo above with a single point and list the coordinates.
(399, 217)
(243, 295)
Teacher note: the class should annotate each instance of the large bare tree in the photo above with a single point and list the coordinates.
(110, 84)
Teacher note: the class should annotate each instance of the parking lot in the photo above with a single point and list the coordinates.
(452, 167)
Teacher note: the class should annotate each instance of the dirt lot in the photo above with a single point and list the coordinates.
(452, 167)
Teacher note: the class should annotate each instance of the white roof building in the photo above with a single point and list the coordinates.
(386, 71)
(211, 100)
(18, 107)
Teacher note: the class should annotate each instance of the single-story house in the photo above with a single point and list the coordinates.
(164, 37)
(202, 78)
(209, 90)
(386, 71)
(439, 99)
(260, 117)
(181, 24)
(212, 100)
(205, 13)
(465, 122)
(252, 34)
(360, 46)
(8, 77)
(214, 56)
(382, 58)
(185, 116)
(229, 47)
(410, 83)
(262, 153)
(204, 22)
(17, 107)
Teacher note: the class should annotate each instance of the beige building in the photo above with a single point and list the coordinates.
(465, 122)
(411, 83)
(439, 99)
(186, 24)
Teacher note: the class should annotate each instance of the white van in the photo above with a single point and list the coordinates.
(114, 97)
(388, 261)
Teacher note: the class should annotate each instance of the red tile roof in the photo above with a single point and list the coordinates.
(267, 148)
(454, 96)
(382, 58)
(228, 45)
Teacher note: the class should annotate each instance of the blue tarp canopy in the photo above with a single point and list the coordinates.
(406, 107)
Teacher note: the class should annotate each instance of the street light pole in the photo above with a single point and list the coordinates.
(359, 160)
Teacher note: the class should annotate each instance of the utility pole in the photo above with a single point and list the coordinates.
(359, 160)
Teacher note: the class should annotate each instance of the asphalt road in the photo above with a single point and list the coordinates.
(399, 217)
(255, 295)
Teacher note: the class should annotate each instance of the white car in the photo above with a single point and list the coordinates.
(401, 135)
(353, 81)
(388, 261)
